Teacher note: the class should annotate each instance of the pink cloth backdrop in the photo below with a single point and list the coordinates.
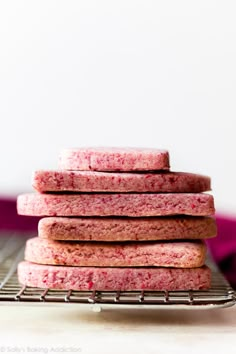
(223, 247)
(9, 220)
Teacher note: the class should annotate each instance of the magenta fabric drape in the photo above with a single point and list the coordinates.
(9, 220)
(223, 247)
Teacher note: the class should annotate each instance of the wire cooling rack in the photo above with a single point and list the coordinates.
(12, 250)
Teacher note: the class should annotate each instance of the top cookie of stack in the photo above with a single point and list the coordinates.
(114, 159)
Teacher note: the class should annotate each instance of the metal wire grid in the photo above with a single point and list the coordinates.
(11, 252)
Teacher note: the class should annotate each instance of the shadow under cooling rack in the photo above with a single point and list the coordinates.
(11, 252)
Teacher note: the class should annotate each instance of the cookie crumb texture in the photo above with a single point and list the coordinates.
(113, 279)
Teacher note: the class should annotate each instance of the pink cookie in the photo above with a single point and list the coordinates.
(90, 181)
(115, 204)
(136, 254)
(113, 279)
(127, 229)
(114, 159)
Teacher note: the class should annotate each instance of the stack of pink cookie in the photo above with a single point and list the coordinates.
(118, 219)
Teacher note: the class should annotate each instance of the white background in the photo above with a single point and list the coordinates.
(120, 73)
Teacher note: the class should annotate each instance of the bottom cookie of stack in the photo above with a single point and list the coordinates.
(113, 279)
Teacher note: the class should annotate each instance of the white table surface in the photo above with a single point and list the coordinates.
(72, 329)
